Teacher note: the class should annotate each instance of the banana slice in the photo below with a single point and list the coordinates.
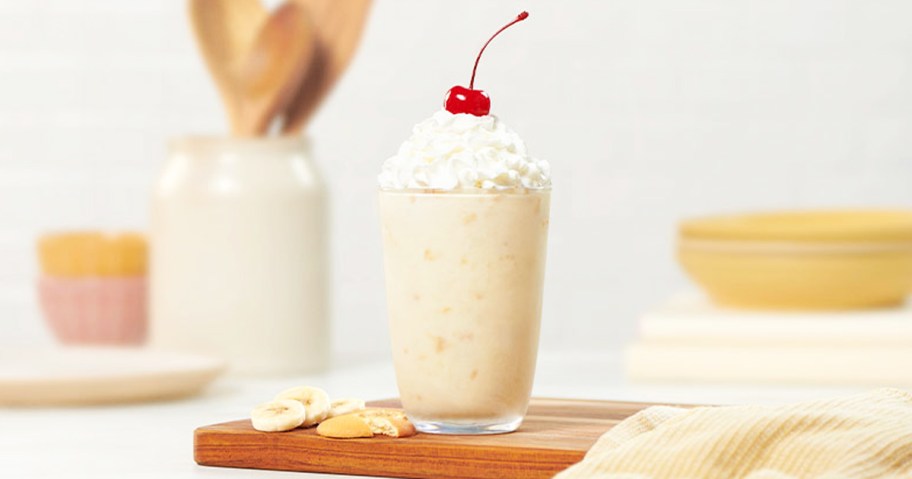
(315, 401)
(278, 415)
(340, 407)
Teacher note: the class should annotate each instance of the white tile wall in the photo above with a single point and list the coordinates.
(649, 110)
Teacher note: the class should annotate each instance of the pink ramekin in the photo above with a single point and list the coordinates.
(95, 310)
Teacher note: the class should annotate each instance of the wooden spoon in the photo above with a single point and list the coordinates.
(339, 25)
(224, 31)
(273, 69)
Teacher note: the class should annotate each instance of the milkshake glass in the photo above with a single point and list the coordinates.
(464, 276)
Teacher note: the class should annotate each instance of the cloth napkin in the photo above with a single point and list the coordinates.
(863, 436)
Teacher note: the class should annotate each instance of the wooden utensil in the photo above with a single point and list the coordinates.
(224, 31)
(555, 434)
(339, 26)
(273, 68)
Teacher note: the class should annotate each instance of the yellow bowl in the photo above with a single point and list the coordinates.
(801, 260)
(92, 253)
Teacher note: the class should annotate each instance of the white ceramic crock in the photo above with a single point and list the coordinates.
(239, 254)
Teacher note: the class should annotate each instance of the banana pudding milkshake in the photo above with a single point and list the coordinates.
(464, 213)
(464, 290)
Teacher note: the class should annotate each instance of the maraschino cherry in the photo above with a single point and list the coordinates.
(469, 100)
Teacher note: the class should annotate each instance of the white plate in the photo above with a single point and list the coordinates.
(68, 376)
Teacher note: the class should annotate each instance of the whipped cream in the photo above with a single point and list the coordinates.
(454, 151)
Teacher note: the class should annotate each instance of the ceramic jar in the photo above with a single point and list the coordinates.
(239, 254)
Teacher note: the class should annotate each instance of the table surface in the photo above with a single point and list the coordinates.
(156, 441)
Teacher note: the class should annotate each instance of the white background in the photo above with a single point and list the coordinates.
(648, 110)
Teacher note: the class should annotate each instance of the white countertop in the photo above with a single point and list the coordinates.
(156, 440)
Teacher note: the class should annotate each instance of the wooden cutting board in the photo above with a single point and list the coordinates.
(555, 434)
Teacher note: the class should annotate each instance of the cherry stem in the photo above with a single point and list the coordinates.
(522, 16)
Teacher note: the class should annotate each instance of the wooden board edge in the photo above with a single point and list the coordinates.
(389, 457)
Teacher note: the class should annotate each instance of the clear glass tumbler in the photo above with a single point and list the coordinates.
(464, 277)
